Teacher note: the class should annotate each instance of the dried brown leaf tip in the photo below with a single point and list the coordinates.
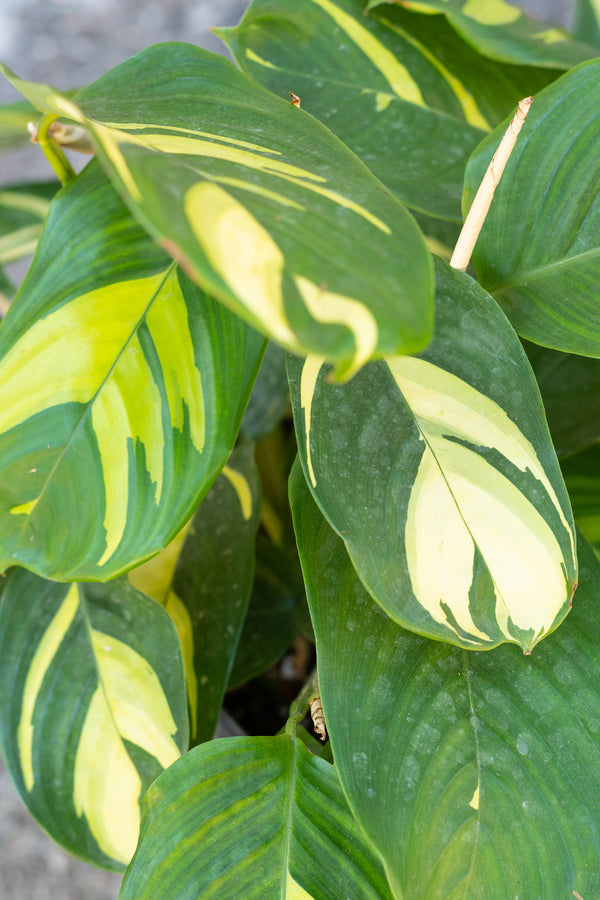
(295, 99)
(316, 712)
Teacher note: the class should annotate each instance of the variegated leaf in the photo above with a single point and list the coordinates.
(439, 473)
(92, 708)
(539, 249)
(504, 32)
(204, 579)
(253, 817)
(122, 387)
(265, 207)
(402, 90)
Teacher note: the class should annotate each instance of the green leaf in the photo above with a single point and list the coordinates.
(539, 250)
(14, 118)
(587, 21)
(402, 90)
(570, 388)
(439, 473)
(275, 614)
(204, 580)
(264, 206)
(122, 387)
(259, 818)
(270, 397)
(503, 32)
(474, 774)
(23, 210)
(582, 478)
(92, 708)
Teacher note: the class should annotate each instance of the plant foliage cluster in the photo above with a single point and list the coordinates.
(237, 293)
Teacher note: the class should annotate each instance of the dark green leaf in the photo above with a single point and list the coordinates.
(475, 775)
(259, 818)
(582, 477)
(122, 387)
(270, 397)
(92, 708)
(439, 473)
(539, 249)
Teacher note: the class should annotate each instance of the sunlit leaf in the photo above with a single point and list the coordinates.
(92, 708)
(474, 774)
(259, 818)
(122, 386)
(439, 474)
(264, 206)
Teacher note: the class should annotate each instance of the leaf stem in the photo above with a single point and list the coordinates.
(52, 150)
(301, 704)
(484, 196)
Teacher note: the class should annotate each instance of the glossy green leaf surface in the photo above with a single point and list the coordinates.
(264, 206)
(204, 580)
(439, 473)
(23, 210)
(275, 614)
(570, 388)
(92, 708)
(474, 774)
(539, 251)
(259, 818)
(582, 478)
(504, 32)
(402, 90)
(122, 386)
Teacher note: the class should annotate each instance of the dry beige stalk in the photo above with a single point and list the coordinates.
(316, 712)
(484, 196)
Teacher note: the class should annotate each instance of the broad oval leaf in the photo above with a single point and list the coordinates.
(92, 708)
(402, 90)
(539, 251)
(504, 32)
(204, 581)
(259, 818)
(267, 209)
(474, 774)
(439, 473)
(122, 387)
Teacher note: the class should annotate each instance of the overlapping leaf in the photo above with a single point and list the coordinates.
(204, 580)
(439, 473)
(122, 386)
(23, 210)
(504, 32)
(582, 478)
(269, 211)
(539, 252)
(402, 90)
(92, 708)
(474, 774)
(270, 397)
(259, 818)
(570, 388)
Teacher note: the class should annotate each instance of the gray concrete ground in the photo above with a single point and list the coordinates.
(69, 43)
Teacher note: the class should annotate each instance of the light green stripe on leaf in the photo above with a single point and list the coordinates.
(254, 57)
(241, 251)
(107, 786)
(491, 12)
(397, 75)
(137, 701)
(242, 489)
(327, 307)
(295, 891)
(169, 326)
(310, 373)
(183, 623)
(38, 669)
